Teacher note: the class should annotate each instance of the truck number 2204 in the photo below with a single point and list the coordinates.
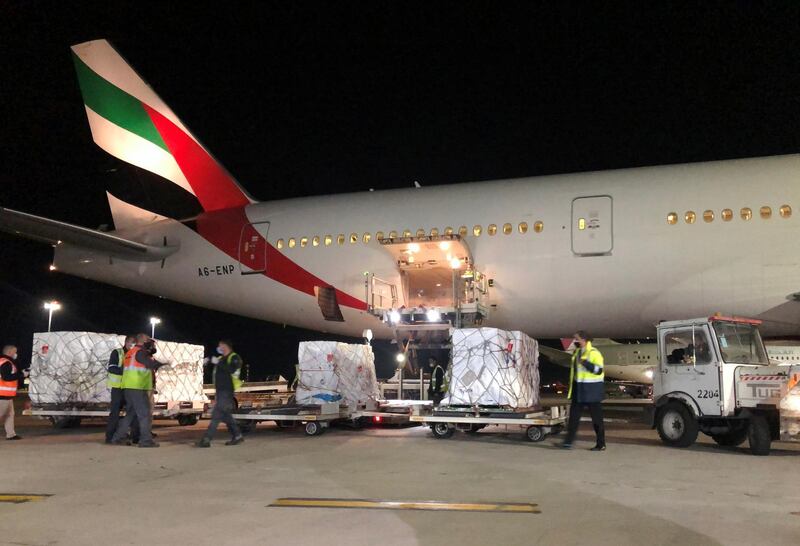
(703, 393)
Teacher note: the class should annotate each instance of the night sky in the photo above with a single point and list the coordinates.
(304, 98)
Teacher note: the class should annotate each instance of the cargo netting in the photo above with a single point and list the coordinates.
(495, 368)
(329, 371)
(70, 369)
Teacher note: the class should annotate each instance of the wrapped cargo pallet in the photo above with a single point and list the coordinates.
(69, 369)
(329, 371)
(493, 367)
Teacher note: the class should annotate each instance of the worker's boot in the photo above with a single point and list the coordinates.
(205, 442)
(151, 443)
(235, 441)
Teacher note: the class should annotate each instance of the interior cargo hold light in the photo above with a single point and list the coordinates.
(400, 358)
(413, 247)
(433, 315)
(394, 317)
(444, 245)
(455, 263)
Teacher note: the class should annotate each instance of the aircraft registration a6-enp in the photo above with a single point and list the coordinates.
(610, 252)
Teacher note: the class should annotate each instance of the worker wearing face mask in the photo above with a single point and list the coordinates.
(586, 389)
(116, 362)
(227, 370)
(10, 375)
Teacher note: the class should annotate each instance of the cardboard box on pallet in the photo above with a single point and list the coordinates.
(330, 371)
(493, 367)
(70, 368)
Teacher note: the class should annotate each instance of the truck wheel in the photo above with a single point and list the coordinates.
(759, 435)
(732, 438)
(442, 430)
(677, 426)
(535, 434)
(187, 420)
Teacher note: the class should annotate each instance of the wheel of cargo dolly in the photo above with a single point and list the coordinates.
(187, 420)
(759, 435)
(442, 430)
(535, 433)
(677, 426)
(732, 438)
(313, 428)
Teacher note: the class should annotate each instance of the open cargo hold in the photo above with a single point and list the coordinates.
(68, 371)
(329, 371)
(492, 367)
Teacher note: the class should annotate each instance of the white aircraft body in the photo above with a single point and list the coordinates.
(609, 252)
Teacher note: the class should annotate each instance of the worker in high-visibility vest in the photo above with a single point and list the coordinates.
(137, 386)
(227, 367)
(115, 363)
(10, 375)
(586, 389)
(437, 388)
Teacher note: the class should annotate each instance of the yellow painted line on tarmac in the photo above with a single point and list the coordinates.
(507, 507)
(18, 498)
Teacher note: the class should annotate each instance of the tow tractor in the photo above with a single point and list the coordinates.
(714, 377)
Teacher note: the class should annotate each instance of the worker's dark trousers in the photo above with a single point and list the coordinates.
(138, 407)
(596, 411)
(222, 413)
(117, 404)
(436, 397)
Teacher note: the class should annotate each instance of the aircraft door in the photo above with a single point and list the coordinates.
(253, 248)
(592, 230)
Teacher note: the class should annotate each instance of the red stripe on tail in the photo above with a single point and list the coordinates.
(212, 185)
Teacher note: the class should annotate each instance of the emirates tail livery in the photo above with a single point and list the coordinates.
(610, 252)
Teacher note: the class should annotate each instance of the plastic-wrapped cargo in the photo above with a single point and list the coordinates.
(69, 368)
(329, 371)
(493, 367)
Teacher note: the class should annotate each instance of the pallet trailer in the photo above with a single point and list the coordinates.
(186, 413)
(315, 419)
(445, 420)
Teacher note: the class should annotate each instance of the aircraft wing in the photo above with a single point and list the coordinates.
(55, 232)
(556, 356)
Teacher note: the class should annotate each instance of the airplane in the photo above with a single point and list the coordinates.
(610, 252)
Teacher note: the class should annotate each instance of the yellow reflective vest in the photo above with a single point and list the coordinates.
(115, 379)
(587, 383)
(136, 375)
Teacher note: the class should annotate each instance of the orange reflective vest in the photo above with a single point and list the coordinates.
(136, 375)
(8, 388)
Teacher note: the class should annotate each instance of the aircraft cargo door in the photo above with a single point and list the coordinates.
(592, 230)
(253, 248)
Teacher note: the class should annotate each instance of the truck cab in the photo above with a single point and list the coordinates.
(714, 377)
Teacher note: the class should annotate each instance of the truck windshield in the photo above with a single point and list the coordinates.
(740, 343)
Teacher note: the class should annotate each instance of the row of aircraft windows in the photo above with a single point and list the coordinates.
(354, 238)
(746, 213)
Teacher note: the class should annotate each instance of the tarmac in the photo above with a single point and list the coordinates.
(638, 491)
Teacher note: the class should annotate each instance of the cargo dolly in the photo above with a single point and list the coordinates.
(445, 420)
(71, 415)
(314, 418)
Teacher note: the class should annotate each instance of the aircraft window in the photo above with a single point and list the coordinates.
(746, 213)
(315, 241)
(727, 215)
(492, 229)
(538, 227)
(672, 218)
(328, 240)
(434, 232)
(303, 242)
(476, 231)
(407, 233)
(392, 235)
(690, 217)
(340, 239)
(462, 231)
(366, 238)
(785, 211)
(523, 227)
(291, 242)
(448, 230)
(379, 235)
(353, 238)
(708, 216)
(280, 243)
(507, 229)
(420, 233)
(766, 213)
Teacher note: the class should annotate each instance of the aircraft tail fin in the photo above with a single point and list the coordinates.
(129, 121)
